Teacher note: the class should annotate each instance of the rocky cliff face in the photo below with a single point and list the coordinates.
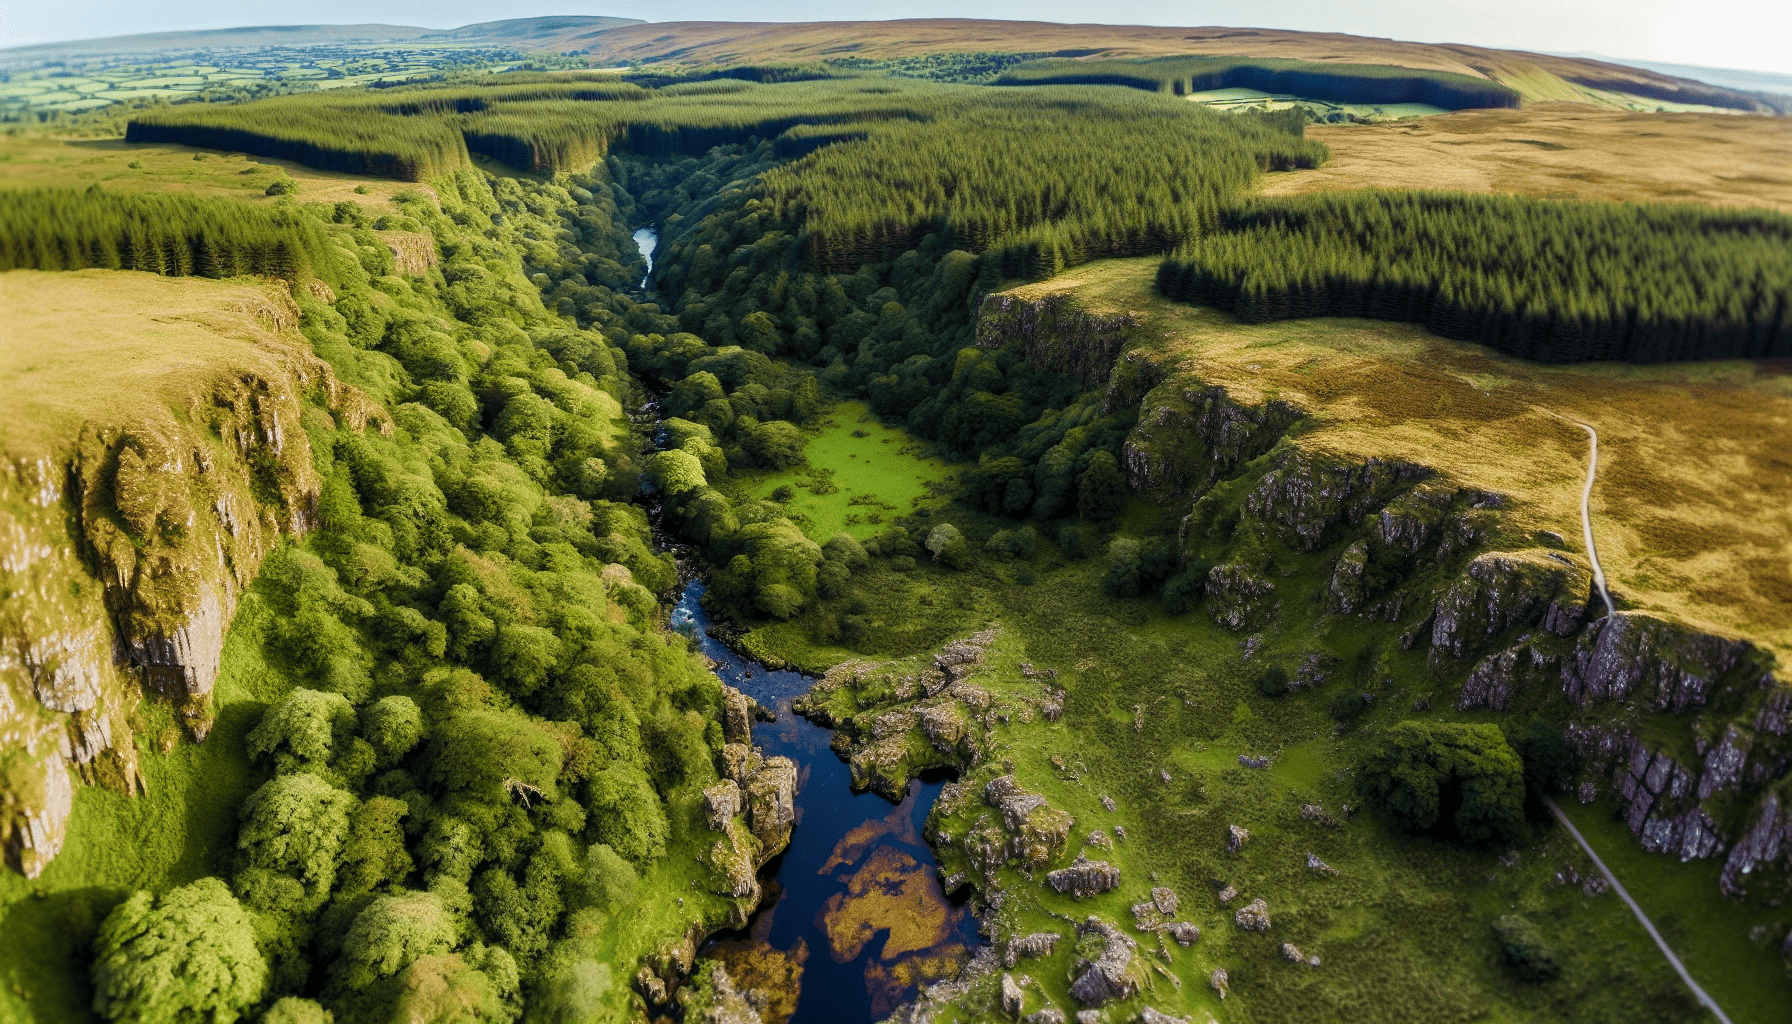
(122, 554)
(1687, 731)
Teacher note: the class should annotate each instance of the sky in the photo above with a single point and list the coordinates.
(1751, 34)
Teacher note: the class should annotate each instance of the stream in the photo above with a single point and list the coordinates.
(647, 240)
(854, 919)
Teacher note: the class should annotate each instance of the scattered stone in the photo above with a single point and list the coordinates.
(1551, 538)
(1316, 812)
(1313, 961)
(1253, 762)
(1250, 645)
(1318, 866)
(1236, 837)
(1164, 774)
(1165, 899)
(1422, 703)
(1151, 1016)
(1184, 933)
(1587, 793)
(1595, 885)
(651, 987)
(1099, 839)
(1253, 917)
(1227, 894)
(1107, 802)
(1085, 878)
(1012, 997)
(1120, 832)
(1109, 976)
(1509, 859)
(1049, 1015)
(1091, 1017)
(1292, 953)
(1219, 980)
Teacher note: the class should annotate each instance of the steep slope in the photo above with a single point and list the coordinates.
(152, 458)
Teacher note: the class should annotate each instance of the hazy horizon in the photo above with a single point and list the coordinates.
(1744, 36)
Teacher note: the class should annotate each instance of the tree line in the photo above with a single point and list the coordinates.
(1051, 177)
(1550, 281)
(176, 235)
(1337, 83)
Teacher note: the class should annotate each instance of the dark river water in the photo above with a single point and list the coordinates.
(854, 918)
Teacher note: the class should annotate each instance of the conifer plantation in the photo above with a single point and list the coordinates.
(1551, 281)
(1340, 83)
(177, 235)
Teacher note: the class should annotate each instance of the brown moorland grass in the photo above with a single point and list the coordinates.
(32, 160)
(1693, 508)
(109, 347)
(1562, 151)
(1538, 77)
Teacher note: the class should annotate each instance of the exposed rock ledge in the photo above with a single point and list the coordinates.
(130, 525)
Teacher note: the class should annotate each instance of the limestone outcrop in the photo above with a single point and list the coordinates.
(129, 530)
(1192, 435)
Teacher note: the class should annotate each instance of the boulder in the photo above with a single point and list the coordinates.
(1253, 917)
(1110, 975)
(1084, 878)
(1012, 997)
(1035, 944)
(1183, 932)
(1219, 981)
(737, 716)
(1049, 1015)
(1236, 837)
(1314, 864)
(771, 803)
(1151, 1016)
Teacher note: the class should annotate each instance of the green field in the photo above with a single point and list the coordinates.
(878, 473)
(1256, 99)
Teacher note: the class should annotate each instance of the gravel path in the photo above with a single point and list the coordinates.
(1649, 926)
(1586, 516)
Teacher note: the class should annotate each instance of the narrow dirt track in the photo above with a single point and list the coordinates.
(1586, 515)
(1649, 926)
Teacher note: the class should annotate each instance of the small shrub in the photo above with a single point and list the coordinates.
(1273, 681)
(1523, 949)
(280, 187)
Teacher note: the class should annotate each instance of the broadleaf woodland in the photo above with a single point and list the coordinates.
(483, 786)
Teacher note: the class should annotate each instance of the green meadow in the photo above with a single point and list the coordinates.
(860, 475)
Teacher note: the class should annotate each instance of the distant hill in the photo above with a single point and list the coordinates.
(1730, 78)
(532, 33)
(1537, 77)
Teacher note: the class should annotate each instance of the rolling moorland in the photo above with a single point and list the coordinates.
(1217, 626)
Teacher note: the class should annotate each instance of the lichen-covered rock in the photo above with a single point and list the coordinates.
(1110, 973)
(1319, 867)
(1031, 945)
(734, 859)
(1665, 665)
(1500, 676)
(1309, 494)
(713, 998)
(737, 716)
(1049, 1015)
(1767, 839)
(1037, 832)
(1190, 436)
(1148, 1015)
(1292, 953)
(1239, 596)
(1503, 591)
(771, 803)
(1013, 999)
(1236, 837)
(1345, 591)
(1185, 933)
(1253, 917)
(721, 802)
(1084, 878)
(1219, 981)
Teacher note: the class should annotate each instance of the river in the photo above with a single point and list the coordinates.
(854, 907)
